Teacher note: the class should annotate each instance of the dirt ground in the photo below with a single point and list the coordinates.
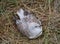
(47, 11)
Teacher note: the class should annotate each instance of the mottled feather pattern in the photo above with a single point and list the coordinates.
(28, 24)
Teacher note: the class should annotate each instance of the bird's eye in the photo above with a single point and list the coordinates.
(36, 26)
(25, 13)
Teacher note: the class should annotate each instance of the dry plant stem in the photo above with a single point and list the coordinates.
(42, 8)
(55, 38)
(50, 13)
(48, 24)
(33, 10)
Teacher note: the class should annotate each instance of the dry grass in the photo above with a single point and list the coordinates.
(45, 10)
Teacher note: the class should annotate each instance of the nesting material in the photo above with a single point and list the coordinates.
(28, 24)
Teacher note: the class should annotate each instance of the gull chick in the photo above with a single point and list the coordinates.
(28, 24)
